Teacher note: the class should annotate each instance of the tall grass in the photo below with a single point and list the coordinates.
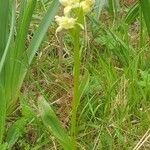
(145, 8)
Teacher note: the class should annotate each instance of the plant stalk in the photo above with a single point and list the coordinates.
(76, 76)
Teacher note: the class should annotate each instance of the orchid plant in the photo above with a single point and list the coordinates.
(73, 20)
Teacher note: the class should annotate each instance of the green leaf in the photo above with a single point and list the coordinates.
(84, 84)
(132, 14)
(9, 38)
(39, 35)
(51, 122)
(4, 24)
(113, 6)
(3, 146)
(19, 48)
(2, 113)
(14, 63)
(37, 39)
(145, 6)
(15, 131)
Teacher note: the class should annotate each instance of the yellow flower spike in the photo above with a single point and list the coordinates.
(65, 22)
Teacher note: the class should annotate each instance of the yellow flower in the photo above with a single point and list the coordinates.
(86, 8)
(90, 2)
(69, 5)
(65, 2)
(67, 10)
(87, 5)
(65, 22)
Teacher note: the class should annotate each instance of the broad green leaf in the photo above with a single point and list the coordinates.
(4, 24)
(4, 29)
(9, 38)
(15, 131)
(52, 123)
(19, 48)
(37, 39)
(39, 35)
(22, 9)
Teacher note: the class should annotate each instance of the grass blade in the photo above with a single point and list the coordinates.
(20, 41)
(39, 35)
(2, 113)
(84, 84)
(113, 6)
(145, 6)
(37, 39)
(132, 14)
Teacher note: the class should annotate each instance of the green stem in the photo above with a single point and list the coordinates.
(2, 114)
(76, 41)
(141, 28)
